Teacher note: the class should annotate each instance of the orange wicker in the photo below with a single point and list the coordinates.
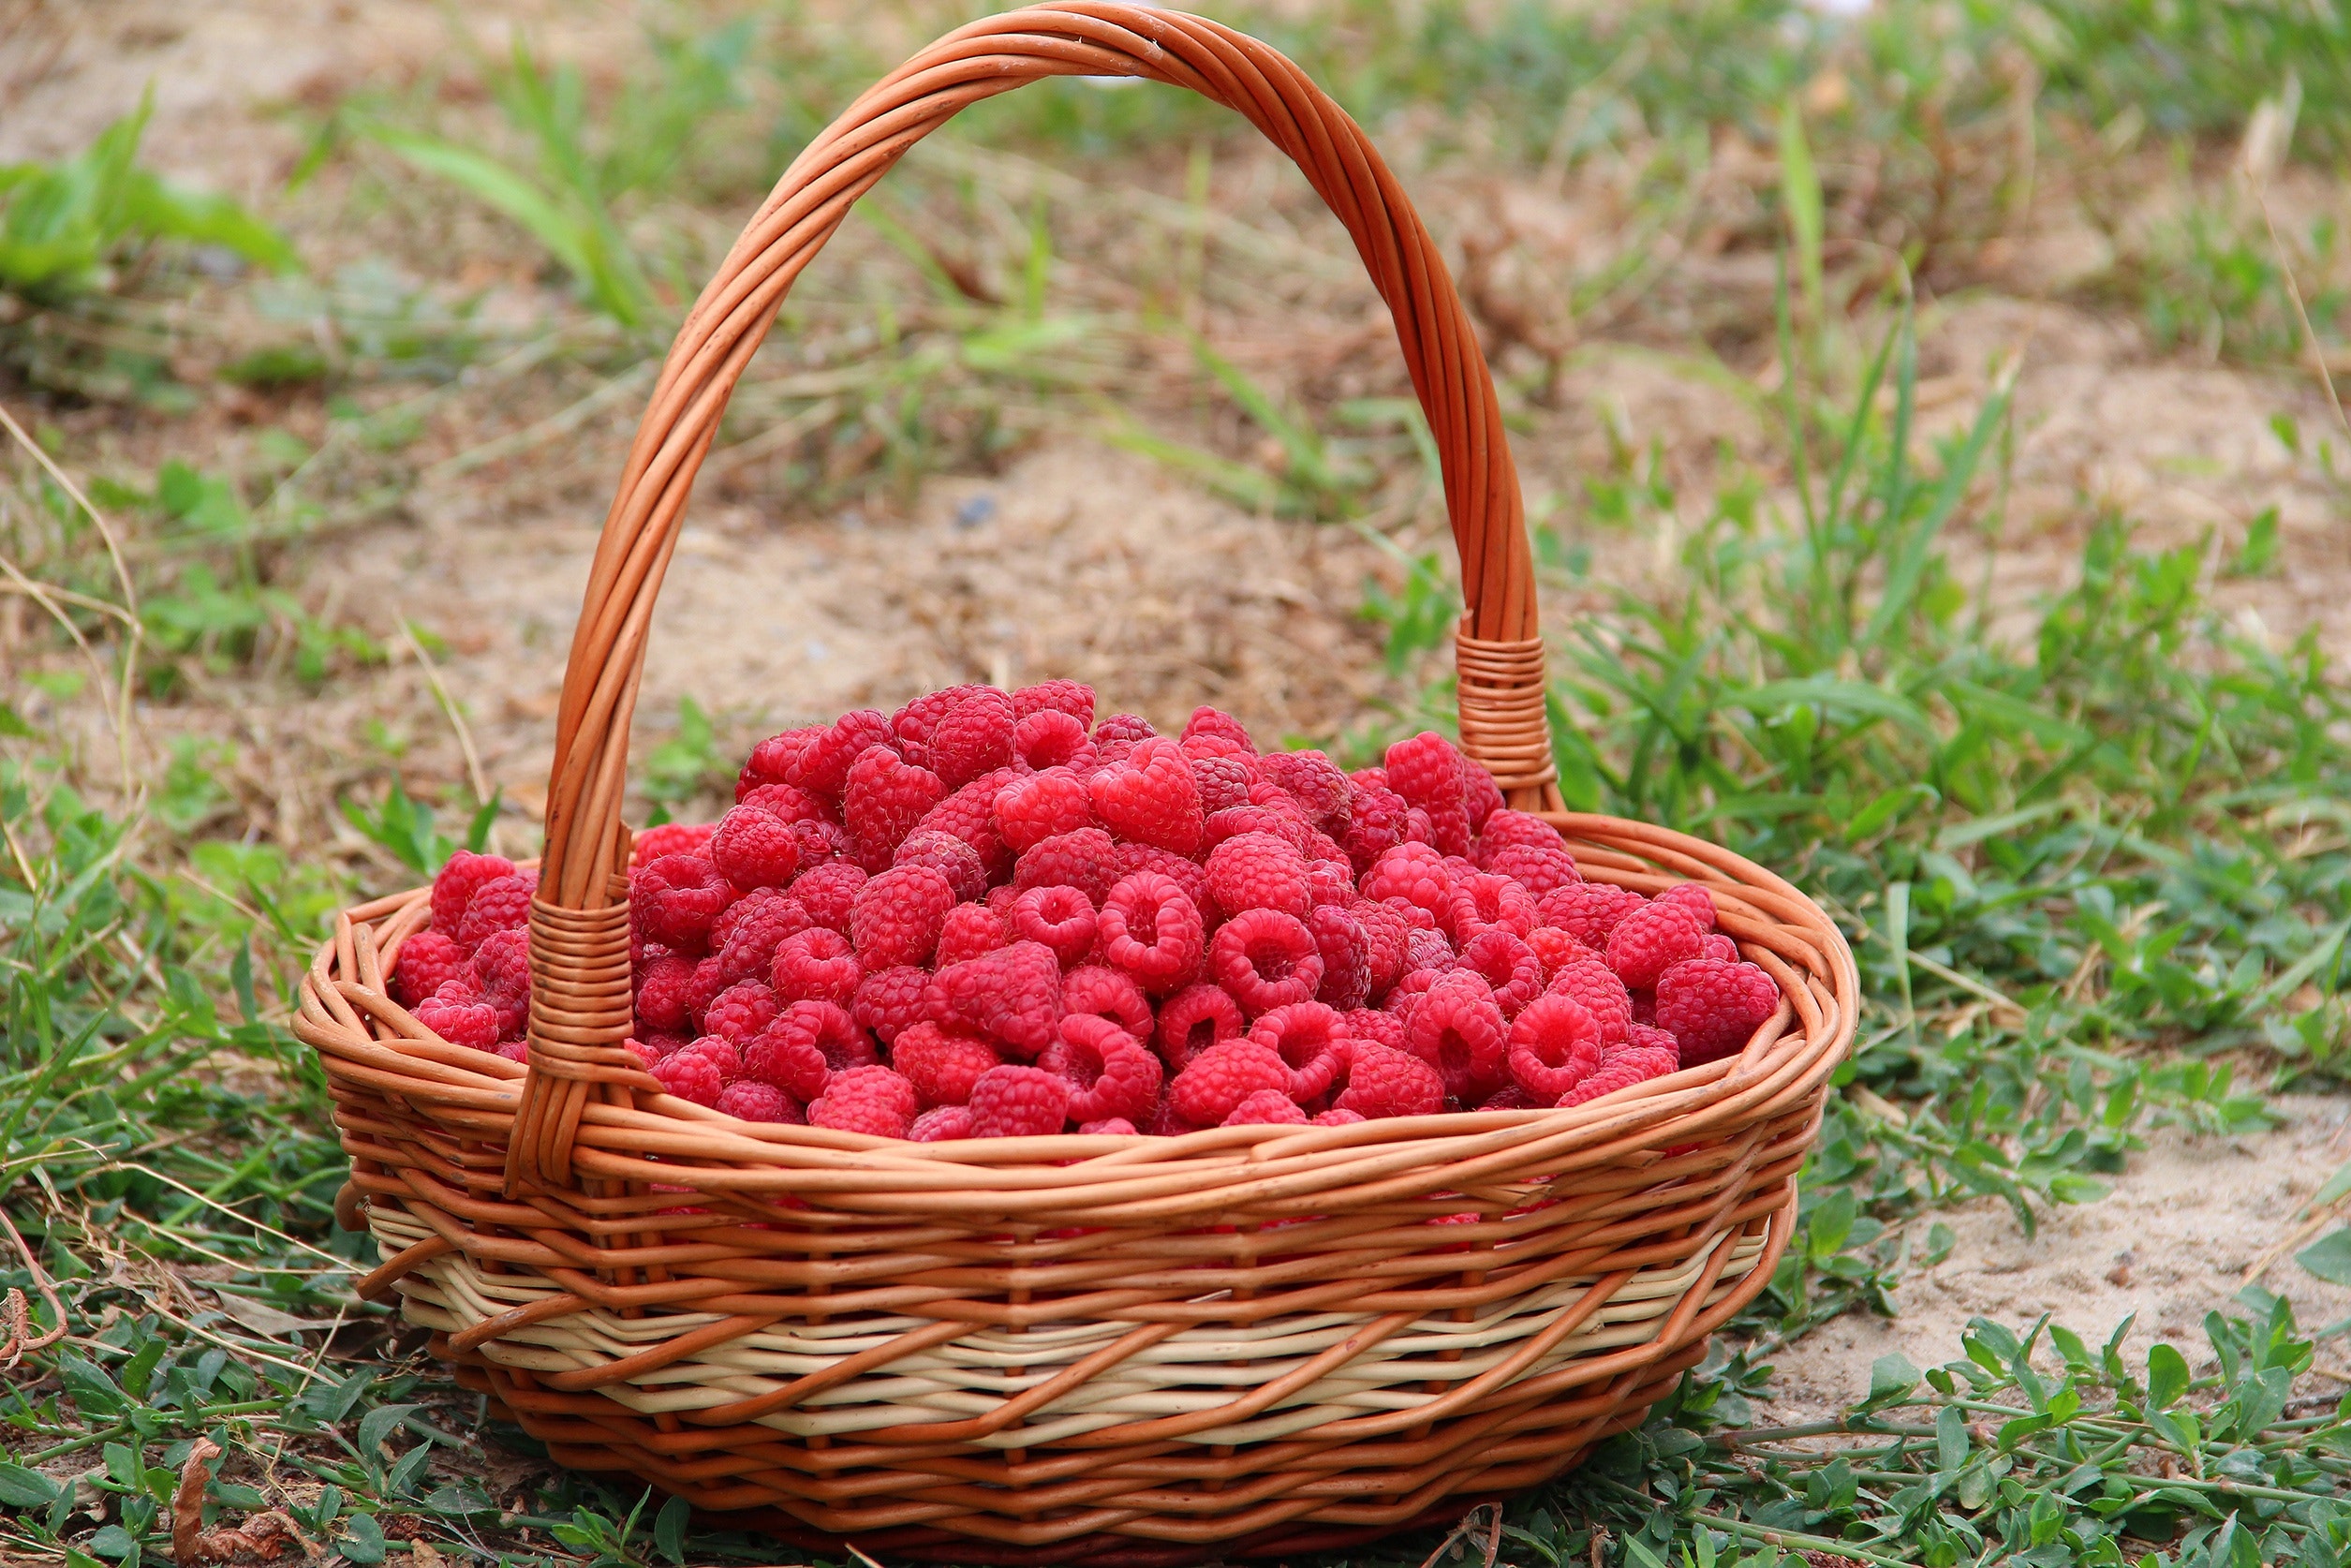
(1247, 1341)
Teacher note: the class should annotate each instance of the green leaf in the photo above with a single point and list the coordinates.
(363, 1540)
(1800, 195)
(380, 1424)
(1891, 1379)
(2329, 1257)
(669, 1528)
(21, 1487)
(1952, 1442)
(12, 725)
(2166, 1376)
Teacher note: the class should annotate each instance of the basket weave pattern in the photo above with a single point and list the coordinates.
(1118, 1349)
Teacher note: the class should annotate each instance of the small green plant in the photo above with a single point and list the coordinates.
(404, 825)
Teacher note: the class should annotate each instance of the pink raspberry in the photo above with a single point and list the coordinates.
(1481, 797)
(501, 977)
(1509, 966)
(1257, 871)
(1652, 939)
(754, 849)
(772, 759)
(1554, 948)
(1334, 1118)
(740, 1012)
(1428, 771)
(1713, 1009)
(975, 737)
(1205, 721)
(1223, 1076)
(1717, 945)
(884, 798)
(821, 767)
(503, 905)
(1128, 859)
(1446, 829)
(1111, 1073)
(1553, 1045)
(1273, 797)
(753, 1101)
(832, 1032)
(969, 814)
(1307, 1036)
(1457, 1028)
(1656, 1052)
(941, 1124)
(1018, 1103)
(453, 888)
(1222, 782)
(721, 1053)
(1266, 959)
(1329, 881)
(1012, 995)
(1107, 993)
(1507, 829)
(1235, 821)
(1370, 1027)
(947, 855)
(821, 843)
(1163, 1122)
(1410, 990)
(1413, 872)
(427, 960)
(1152, 931)
(661, 994)
(1384, 934)
(1081, 859)
(648, 1051)
(1481, 900)
(869, 1100)
(1610, 1077)
(748, 935)
(1119, 1127)
(816, 965)
(1314, 782)
(670, 838)
(1538, 871)
(1693, 897)
(1194, 1019)
(913, 724)
(970, 930)
(787, 1058)
(1382, 1081)
(1375, 824)
(1052, 739)
(1151, 797)
(1338, 937)
(942, 1067)
(1265, 1108)
(897, 916)
(457, 1018)
(780, 801)
(1588, 910)
(1074, 698)
(1428, 950)
(890, 1001)
(1592, 983)
(1061, 918)
(1116, 735)
(676, 900)
(690, 1075)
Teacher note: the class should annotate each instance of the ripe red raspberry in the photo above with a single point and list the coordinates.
(1413, 872)
(753, 1101)
(1018, 1103)
(1273, 797)
(787, 1058)
(1446, 829)
(1074, 698)
(458, 1019)
(1384, 934)
(1121, 732)
(1611, 1077)
(1235, 821)
(1428, 771)
(1150, 798)
(1713, 1009)
(1314, 782)
(1128, 859)
(1030, 810)
(1588, 912)
(1061, 918)
(1369, 1026)
(1222, 782)
(1194, 1019)
(1481, 797)
(884, 798)
(427, 959)
(501, 977)
(1427, 949)
(975, 737)
(1081, 859)
(897, 916)
(1109, 1127)
(1307, 1037)
(721, 1052)
(1509, 966)
(1111, 1073)
(503, 905)
(828, 894)
(822, 765)
(947, 855)
(1387, 1083)
(913, 724)
(1508, 829)
(1012, 995)
(1482, 900)
(1052, 739)
(1223, 1076)
(1652, 939)
(453, 888)
(690, 1075)
(1659, 1051)
(1592, 983)
(772, 759)
(1536, 870)
(820, 843)
(780, 801)
(1257, 871)
(1150, 930)
(1457, 1029)
(1410, 990)
(1693, 897)
(1375, 825)
(745, 937)
(941, 1124)
(670, 838)
(740, 1012)
(1717, 945)
(970, 930)
(1334, 1118)
(869, 1100)
(815, 965)
(754, 849)
(1107, 993)
(942, 1067)
(1338, 937)
(1553, 1045)
(662, 987)
(676, 900)
(1329, 880)
(1164, 1122)
(1266, 959)
(1205, 721)
(1556, 948)
(653, 1048)
(890, 1001)
(969, 814)
(1265, 1108)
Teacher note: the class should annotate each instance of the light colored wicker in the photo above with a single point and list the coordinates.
(1133, 1351)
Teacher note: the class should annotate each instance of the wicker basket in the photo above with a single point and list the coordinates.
(1247, 1341)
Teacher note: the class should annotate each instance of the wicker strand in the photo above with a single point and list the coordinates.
(1504, 726)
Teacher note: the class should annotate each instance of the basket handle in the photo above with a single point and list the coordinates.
(580, 1008)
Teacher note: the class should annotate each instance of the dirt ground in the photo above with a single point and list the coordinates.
(1080, 560)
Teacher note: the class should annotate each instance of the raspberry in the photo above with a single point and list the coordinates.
(1330, 882)
(975, 737)
(816, 965)
(458, 1020)
(1074, 698)
(969, 814)
(821, 767)
(1150, 930)
(1030, 810)
(1314, 782)
(1061, 918)
(1111, 1073)
(1372, 1027)
(1536, 870)
(690, 1075)
(1428, 772)
(1481, 797)
(1081, 859)
(1384, 933)
(1235, 821)
(1409, 992)
(1222, 782)
(501, 977)
(670, 838)
(748, 934)
(427, 959)
(1128, 859)
(1121, 730)
(1273, 797)
(1592, 983)
(1307, 1037)
(942, 1067)
(970, 930)
(1554, 1046)
(1588, 912)
(1165, 1123)
(1427, 949)
(1205, 721)
(829, 893)
(1509, 966)
(1612, 1076)
(1413, 872)
(869, 1100)
(1223, 1076)
(1266, 959)
(1018, 1103)
(941, 1124)
(890, 1001)
(1257, 871)
(1693, 897)
(914, 723)
(1508, 829)
(1265, 1108)
(503, 905)
(821, 843)
(947, 855)
(787, 1058)
(465, 874)
(1382, 1081)
(1457, 1027)
(1556, 948)
(1481, 900)
(1375, 824)
(782, 802)
(1334, 1118)
(1713, 1009)
(517, 1051)
(723, 1053)
(884, 800)
(1338, 937)
(1716, 945)
(1655, 1051)
(1110, 1127)
(1151, 797)
(754, 849)
(1652, 939)
(897, 916)
(1194, 1019)
(662, 992)
(674, 899)
(753, 1101)
(740, 1012)
(1012, 995)
(1107, 993)
(770, 761)
(646, 1052)
(1445, 829)
(1052, 739)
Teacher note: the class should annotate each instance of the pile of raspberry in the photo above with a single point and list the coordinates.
(988, 915)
